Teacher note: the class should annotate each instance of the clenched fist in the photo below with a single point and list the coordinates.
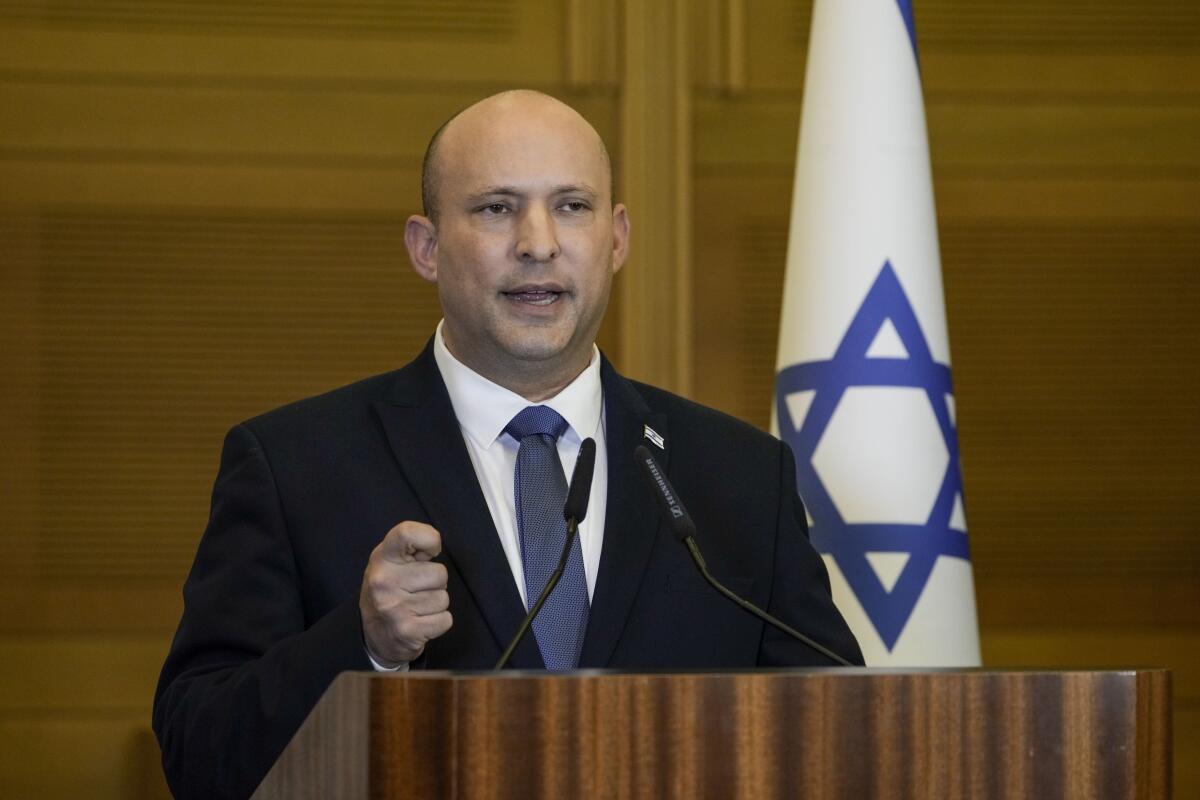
(404, 602)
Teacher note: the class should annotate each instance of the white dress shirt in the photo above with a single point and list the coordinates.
(483, 410)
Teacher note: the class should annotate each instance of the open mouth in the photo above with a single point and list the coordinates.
(537, 297)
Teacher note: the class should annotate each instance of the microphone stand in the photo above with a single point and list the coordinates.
(694, 549)
(681, 525)
(572, 526)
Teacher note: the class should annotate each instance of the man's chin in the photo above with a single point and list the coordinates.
(538, 347)
(536, 352)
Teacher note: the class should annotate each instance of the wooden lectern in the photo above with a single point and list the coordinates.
(775, 734)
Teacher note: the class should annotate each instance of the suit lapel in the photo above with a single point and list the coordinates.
(427, 442)
(631, 520)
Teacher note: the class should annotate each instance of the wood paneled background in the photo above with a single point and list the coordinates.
(201, 209)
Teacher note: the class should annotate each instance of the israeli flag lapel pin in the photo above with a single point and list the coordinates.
(655, 437)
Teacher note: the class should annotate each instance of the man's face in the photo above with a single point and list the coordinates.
(527, 240)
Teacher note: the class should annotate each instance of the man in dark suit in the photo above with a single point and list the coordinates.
(379, 526)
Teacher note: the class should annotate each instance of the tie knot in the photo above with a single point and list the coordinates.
(535, 421)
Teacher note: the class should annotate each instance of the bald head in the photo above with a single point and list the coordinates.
(499, 115)
(522, 238)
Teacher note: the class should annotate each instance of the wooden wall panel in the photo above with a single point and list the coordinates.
(984, 136)
(451, 19)
(18, 400)
(1069, 339)
(74, 716)
(739, 303)
(1096, 31)
(159, 330)
(655, 184)
(1187, 749)
(118, 670)
(125, 125)
(200, 42)
(80, 755)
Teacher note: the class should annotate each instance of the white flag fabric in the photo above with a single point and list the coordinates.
(863, 392)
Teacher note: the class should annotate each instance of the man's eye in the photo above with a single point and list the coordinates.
(575, 206)
(495, 208)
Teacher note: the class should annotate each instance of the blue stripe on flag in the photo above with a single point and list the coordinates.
(907, 13)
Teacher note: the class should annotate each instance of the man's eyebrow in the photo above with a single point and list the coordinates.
(512, 191)
(576, 188)
(494, 190)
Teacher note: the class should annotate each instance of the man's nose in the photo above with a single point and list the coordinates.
(537, 237)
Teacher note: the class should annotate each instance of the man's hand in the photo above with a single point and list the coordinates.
(404, 602)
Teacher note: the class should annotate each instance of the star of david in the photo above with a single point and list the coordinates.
(849, 544)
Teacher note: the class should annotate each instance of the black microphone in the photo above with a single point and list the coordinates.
(574, 511)
(684, 529)
(580, 490)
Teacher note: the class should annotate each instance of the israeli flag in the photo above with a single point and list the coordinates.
(863, 392)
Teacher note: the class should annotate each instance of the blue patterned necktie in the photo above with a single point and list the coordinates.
(541, 491)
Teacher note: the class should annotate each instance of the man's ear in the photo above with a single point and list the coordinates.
(620, 236)
(420, 237)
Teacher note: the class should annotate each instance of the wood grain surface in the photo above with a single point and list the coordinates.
(814, 734)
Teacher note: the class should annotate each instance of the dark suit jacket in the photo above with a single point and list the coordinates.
(305, 492)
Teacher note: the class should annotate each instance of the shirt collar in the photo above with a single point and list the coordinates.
(484, 408)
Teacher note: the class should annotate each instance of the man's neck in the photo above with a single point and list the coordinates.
(539, 395)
